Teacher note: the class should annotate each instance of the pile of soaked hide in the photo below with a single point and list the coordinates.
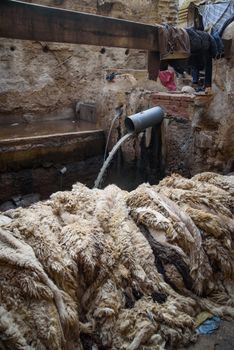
(110, 269)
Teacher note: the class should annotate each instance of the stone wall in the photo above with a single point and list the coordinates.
(45, 81)
(198, 132)
(213, 123)
(177, 133)
(40, 78)
(48, 163)
(148, 11)
(176, 104)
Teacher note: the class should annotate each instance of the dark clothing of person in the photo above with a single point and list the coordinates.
(219, 44)
(203, 48)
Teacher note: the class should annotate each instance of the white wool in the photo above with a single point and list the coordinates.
(115, 269)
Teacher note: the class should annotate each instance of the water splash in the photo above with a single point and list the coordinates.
(118, 114)
(110, 157)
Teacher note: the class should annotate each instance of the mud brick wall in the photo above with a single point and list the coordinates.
(177, 133)
(180, 105)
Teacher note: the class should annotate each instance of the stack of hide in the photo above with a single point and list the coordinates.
(108, 269)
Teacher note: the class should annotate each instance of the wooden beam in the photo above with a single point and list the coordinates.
(20, 20)
(153, 64)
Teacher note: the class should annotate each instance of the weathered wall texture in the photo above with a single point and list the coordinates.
(214, 128)
(38, 78)
(200, 136)
(46, 80)
(148, 11)
(177, 131)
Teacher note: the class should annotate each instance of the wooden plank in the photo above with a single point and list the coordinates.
(153, 64)
(20, 20)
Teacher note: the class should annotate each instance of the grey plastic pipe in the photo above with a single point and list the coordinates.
(140, 121)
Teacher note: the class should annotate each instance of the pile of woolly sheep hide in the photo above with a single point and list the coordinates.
(110, 269)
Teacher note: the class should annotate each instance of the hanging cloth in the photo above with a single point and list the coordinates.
(216, 14)
(167, 78)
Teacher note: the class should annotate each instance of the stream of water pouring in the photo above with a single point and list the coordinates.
(118, 114)
(110, 157)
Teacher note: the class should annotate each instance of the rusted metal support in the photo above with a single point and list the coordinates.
(20, 20)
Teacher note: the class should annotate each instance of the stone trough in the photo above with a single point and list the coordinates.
(48, 156)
